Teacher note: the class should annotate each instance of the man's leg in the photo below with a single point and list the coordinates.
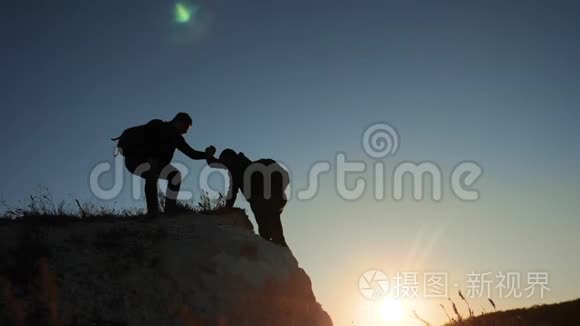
(173, 177)
(262, 220)
(151, 193)
(276, 229)
(145, 170)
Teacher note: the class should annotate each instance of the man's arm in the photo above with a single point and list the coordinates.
(190, 152)
(215, 163)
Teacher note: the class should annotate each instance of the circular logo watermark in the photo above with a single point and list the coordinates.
(373, 284)
(380, 140)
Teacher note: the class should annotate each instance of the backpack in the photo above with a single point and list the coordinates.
(132, 142)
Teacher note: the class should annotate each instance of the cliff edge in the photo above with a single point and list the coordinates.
(192, 269)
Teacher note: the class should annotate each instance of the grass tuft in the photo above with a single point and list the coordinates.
(41, 209)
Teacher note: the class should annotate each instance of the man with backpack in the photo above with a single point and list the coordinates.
(263, 183)
(148, 150)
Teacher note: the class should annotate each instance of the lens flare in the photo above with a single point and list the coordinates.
(184, 12)
(191, 21)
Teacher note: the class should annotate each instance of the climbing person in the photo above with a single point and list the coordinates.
(148, 150)
(263, 184)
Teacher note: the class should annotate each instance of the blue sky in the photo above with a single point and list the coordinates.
(495, 82)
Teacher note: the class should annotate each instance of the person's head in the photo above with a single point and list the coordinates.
(182, 122)
(229, 158)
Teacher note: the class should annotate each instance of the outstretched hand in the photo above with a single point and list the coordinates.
(211, 160)
(210, 151)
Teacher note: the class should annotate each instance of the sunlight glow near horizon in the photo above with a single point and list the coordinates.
(392, 311)
(387, 311)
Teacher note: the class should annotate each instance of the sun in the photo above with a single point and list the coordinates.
(392, 311)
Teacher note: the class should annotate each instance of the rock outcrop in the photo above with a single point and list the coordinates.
(187, 270)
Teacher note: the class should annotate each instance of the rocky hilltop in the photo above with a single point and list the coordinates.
(192, 269)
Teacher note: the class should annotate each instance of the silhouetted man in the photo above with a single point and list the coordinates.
(148, 151)
(263, 183)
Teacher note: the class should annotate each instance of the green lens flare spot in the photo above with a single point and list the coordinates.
(184, 12)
